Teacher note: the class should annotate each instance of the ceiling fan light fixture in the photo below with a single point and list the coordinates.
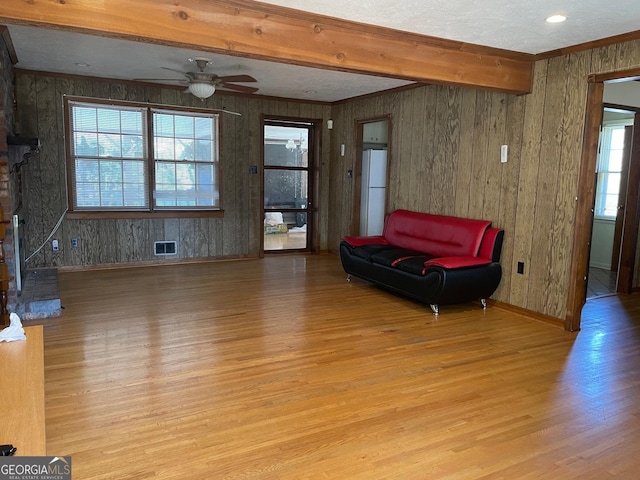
(202, 90)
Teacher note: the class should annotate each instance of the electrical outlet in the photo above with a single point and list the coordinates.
(74, 242)
(54, 245)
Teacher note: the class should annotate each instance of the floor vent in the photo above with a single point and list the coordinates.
(164, 248)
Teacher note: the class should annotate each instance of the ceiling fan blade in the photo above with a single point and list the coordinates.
(237, 78)
(239, 88)
(224, 110)
(181, 80)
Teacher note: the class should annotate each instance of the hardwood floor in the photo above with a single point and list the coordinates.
(280, 369)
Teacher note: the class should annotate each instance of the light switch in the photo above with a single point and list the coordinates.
(504, 150)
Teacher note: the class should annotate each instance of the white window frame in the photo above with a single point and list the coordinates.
(604, 172)
(200, 187)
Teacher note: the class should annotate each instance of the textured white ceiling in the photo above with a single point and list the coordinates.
(516, 25)
(59, 52)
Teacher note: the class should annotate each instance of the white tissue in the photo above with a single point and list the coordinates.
(14, 331)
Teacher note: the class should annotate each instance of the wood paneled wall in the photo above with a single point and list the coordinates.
(445, 158)
(119, 241)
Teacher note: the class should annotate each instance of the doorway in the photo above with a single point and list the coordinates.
(371, 175)
(610, 201)
(586, 195)
(288, 158)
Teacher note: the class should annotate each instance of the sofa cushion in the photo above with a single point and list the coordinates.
(392, 256)
(456, 262)
(366, 251)
(358, 241)
(438, 235)
(414, 265)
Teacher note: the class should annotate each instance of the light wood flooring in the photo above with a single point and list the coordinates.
(280, 369)
(601, 282)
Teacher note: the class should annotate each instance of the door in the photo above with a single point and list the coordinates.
(287, 165)
(622, 198)
(610, 198)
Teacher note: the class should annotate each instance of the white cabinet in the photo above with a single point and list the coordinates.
(375, 132)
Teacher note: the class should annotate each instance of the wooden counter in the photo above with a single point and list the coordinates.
(22, 393)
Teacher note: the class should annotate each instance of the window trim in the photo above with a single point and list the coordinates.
(151, 211)
(601, 174)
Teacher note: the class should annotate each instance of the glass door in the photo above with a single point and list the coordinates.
(287, 160)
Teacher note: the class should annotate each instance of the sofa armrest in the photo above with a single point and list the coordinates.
(492, 244)
(456, 262)
(360, 241)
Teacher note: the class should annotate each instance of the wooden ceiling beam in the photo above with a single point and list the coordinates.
(266, 32)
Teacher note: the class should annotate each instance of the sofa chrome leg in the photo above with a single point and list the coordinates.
(434, 309)
(349, 278)
(484, 303)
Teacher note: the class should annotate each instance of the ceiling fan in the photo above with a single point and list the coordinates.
(203, 84)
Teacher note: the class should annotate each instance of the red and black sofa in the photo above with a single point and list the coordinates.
(435, 259)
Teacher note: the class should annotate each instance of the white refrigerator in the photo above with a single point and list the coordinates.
(373, 194)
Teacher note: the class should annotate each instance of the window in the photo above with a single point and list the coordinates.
(609, 171)
(118, 163)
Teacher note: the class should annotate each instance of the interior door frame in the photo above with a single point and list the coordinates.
(315, 149)
(577, 294)
(357, 166)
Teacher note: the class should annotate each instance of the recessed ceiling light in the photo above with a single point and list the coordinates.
(82, 64)
(556, 19)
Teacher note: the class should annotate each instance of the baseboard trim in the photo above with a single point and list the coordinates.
(154, 263)
(541, 317)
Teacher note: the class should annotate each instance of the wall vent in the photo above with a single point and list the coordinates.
(164, 248)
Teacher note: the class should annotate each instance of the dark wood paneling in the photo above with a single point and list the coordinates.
(445, 145)
(509, 181)
(495, 138)
(477, 186)
(525, 207)
(130, 240)
(465, 155)
(427, 115)
(172, 234)
(561, 232)
(547, 184)
(231, 183)
(49, 162)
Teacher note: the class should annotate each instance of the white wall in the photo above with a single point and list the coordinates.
(602, 243)
(623, 93)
